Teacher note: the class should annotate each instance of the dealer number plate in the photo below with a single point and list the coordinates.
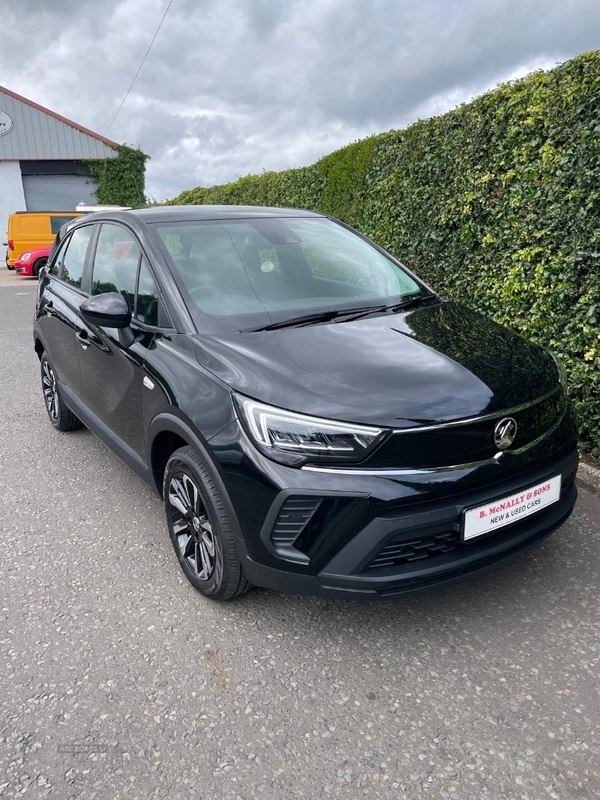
(498, 513)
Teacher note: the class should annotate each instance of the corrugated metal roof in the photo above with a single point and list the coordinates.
(38, 133)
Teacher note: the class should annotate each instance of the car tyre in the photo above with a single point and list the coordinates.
(61, 417)
(200, 529)
(41, 262)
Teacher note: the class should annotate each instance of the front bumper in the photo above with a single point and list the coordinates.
(369, 534)
(24, 267)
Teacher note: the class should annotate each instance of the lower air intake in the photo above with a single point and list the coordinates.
(294, 515)
(398, 552)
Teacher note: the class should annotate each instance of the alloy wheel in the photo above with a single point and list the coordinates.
(50, 391)
(199, 547)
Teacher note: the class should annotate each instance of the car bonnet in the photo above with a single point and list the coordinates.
(429, 365)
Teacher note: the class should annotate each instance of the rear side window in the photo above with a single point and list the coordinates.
(56, 223)
(116, 262)
(71, 259)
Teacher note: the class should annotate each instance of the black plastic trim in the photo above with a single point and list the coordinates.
(292, 554)
(166, 422)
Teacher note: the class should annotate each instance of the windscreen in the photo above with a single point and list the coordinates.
(263, 270)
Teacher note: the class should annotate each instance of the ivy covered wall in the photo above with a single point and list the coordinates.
(121, 180)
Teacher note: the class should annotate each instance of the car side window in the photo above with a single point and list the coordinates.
(116, 262)
(146, 309)
(71, 259)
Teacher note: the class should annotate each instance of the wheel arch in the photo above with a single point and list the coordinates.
(168, 433)
(39, 347)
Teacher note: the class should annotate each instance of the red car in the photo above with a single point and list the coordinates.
(31, 261)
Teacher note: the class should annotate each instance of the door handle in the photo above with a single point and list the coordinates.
(83, 339)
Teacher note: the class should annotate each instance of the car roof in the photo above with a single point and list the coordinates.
(138, 218)
(173, 213)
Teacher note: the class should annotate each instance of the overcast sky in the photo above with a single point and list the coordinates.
(233, 87)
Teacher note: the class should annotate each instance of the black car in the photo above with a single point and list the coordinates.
(316, 419)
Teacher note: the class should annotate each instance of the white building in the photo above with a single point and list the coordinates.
(41, 159)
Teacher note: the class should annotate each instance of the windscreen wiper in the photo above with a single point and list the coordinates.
(350, 314)
(319, 316)
(413, 301)
(341, 314)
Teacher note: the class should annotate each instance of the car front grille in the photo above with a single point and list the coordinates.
(401, 550)
(462, 443)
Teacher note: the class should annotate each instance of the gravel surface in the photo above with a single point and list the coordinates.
(486, 689)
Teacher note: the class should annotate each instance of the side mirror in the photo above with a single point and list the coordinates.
(109, 310)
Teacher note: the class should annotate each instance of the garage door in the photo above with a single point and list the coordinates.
(57, 192)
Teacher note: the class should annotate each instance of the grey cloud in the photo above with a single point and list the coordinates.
(244, 85)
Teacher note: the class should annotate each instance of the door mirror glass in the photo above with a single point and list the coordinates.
(109, 310)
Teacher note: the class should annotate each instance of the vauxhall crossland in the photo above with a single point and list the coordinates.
(315, 418)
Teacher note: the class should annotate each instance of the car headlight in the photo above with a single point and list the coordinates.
(293, 439)
(24, 256)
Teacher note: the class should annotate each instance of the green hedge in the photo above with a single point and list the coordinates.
(496, 204)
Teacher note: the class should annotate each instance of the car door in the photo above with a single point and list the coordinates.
(111, 368)
(60, 296)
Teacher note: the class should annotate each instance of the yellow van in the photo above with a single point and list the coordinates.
(27, 229)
